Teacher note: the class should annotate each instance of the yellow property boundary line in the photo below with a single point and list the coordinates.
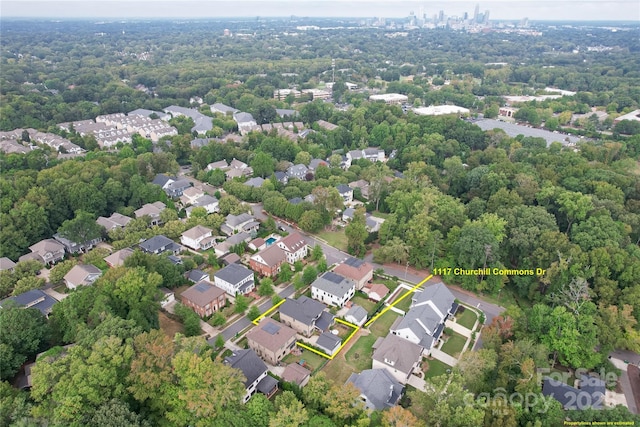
(356, 328)
(387, 308)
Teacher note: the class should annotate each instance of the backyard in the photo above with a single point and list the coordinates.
(406, 301)
(357, 359)
(466, 317)
(434, 367)
(313, 361)
(168, 325)
(380, 328)
(454, 344)
(364, 303)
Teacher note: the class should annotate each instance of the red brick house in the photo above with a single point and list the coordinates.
(267, 262)
(204, 298)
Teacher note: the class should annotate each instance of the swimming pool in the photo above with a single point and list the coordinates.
(270, 241)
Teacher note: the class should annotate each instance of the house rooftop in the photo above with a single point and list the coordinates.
(397, 352)
(382, 391)
(294, 373)
(249, 363)
(333, 284)
(202, 293)
(233, 273)
(271, 335)
(328, 341)
(34, 298)
(304, 309)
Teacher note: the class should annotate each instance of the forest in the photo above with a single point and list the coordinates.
(452, 196)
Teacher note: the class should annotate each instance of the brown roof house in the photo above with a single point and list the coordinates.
(294, 246)
(82, 275)
(294, 373)
(271, 340)
(267, 262)
(117, 258)
(198, 238)
(47, 251)
(151, 210)
(376, 291)
(204, 298)
(357, 270)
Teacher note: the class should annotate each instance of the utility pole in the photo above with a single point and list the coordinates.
(333, 70)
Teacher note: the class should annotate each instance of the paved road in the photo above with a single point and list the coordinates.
(244, 322)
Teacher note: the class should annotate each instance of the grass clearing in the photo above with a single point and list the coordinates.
(337, 239)
(359, 355)
(454, 344)
(169, 326)
(467, 318)
(435, 368)
(313, 361)
(380, 328)
(405, 303)
(364, 303)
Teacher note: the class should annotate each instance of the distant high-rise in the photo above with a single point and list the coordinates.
(485, 18)
(476, 12)
(441, 16)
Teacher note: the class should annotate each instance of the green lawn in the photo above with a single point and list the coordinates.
(380, 328)
(364, 303)
(436, 368)
(357, 359)
(454, 344)
(405, 303)
(314, 361)
(467, 318)
(337, 239)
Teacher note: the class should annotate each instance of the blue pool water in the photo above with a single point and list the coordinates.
(271, 240)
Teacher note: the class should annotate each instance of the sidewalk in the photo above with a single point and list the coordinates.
(443, 357)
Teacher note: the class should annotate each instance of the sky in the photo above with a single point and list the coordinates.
(547, 10)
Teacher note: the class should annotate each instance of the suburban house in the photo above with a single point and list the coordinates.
(294, 246)
(424, 322)
(76, 247)
(47, 251)
(356, 315)
(116, 220)
(376, 291)
(168, 296)
(222, 109)
(151, 210)
(357, 270)
(329, 343)
(82, 275)
(271, 340)
(373, 154)
(296, 374)
(314, 164)
(346, 192)
(398, 356)
(234, 279)
(255, 182)
(231, 258)
(236, 223)
(267, 262)
(198, 238)
(196, 275)
(238, 169)
(190, 195)
(172, 186)
(333, 289)
(255, 372)
(379, 390)
(372, 223)
(35, 298)
(237, 239)
(202, 123)
(204, 298)
(159, 244)
(246, 123)
(117, 258)
(257, 244)
(6, 264)
(221, 164)
(590, 394)
(305, 315)
(209, 203)
(363, 186)
(298, 171)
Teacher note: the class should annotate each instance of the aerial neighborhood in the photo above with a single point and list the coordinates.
(422, 221)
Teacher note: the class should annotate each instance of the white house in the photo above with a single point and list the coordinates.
(333, 289)
(234, 279)
(81, 275)
(294, 246)
(198, 238)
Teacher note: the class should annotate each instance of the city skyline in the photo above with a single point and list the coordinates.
(544, 10)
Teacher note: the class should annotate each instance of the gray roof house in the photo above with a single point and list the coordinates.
(305, 315)
(176, 188)
(34, 298)
(152, 210)
(346, 192)
(281, 177)
(424, 322)
(398, 356)
(6, 264)
(116, 220)
(378, 389)
(591, 393)
(202, 123)
(197, 275)
(329, 343)
(333, 289)
(234, 279)
(255, 372)
(82, 275)
(236, 223)
(47, 251)
(159, 244)
(316, 163)
(298, 171)
(223, 109)
(255, 182)
(75, 247)
(356, 315)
